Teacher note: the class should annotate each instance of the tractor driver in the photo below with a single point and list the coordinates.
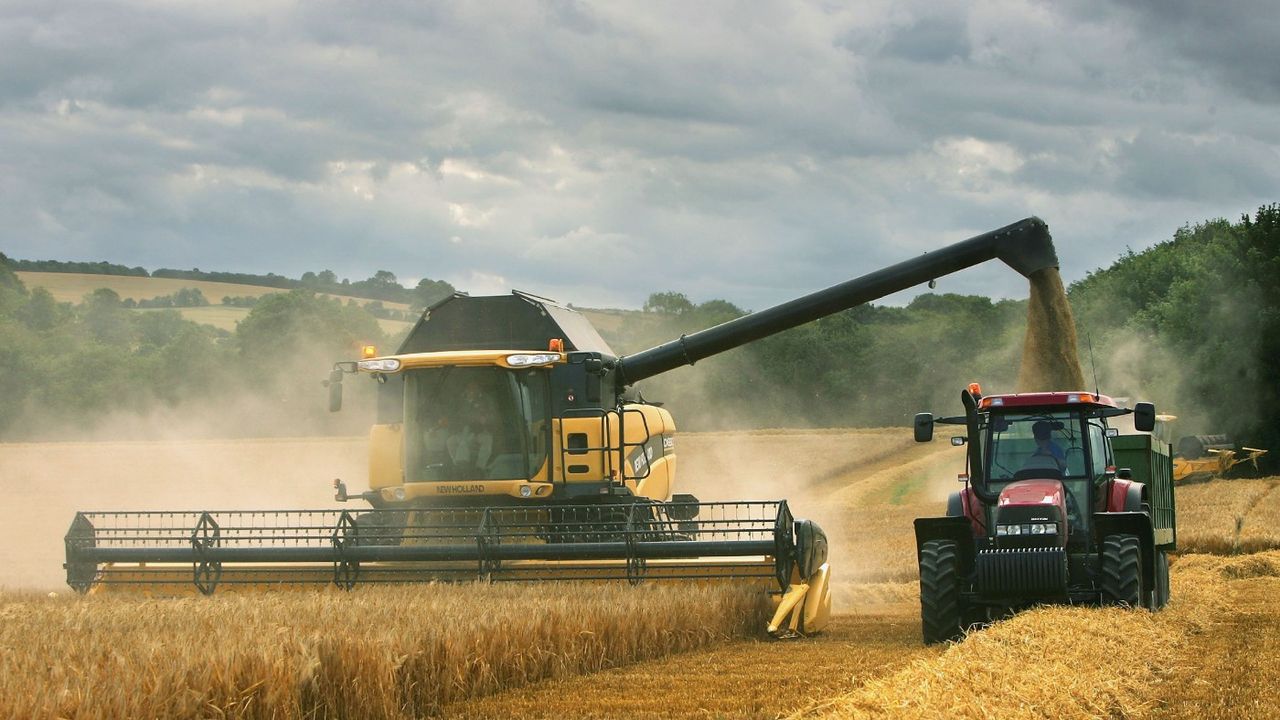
(1046, 448)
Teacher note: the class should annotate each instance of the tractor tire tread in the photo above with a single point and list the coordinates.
(1121, 571)
(941, 610)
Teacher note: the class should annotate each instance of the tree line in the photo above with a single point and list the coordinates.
(71, 368)
(1192, 324)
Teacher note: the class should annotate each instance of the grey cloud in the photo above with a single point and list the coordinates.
(1235, 43)
(1163, 165)
(747, 152)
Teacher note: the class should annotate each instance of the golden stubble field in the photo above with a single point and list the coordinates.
(1213, 653)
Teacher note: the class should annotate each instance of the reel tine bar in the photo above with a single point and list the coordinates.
(597, 541)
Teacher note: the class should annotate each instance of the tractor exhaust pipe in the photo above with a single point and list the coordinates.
(977, 475)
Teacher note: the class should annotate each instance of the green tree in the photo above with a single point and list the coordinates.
(668, 303)
(428, 292)
(106, 318)
(42, 313)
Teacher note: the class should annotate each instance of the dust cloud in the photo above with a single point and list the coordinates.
(814, 471)
(47, 483)
(1050, 353)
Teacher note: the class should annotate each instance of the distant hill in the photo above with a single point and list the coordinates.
(72, 287)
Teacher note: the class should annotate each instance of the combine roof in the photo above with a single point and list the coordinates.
(518, 321)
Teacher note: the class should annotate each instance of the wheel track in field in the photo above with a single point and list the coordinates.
(743, 679)
(1243, 517)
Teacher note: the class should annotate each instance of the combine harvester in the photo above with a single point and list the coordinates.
(1057, 507)
(511, 444)
(1203, 457)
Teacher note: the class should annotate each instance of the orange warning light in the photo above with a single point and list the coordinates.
(556, 345)
(369, 351)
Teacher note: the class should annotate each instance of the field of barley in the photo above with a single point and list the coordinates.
(587, 651)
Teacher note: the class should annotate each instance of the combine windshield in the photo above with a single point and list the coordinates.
(474, 423)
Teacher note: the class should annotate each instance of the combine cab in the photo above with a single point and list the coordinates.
(511, 443)
(1057, 507)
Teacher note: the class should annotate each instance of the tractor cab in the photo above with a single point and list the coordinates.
(1054, 449)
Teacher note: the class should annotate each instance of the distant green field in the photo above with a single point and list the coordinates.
(72, 287)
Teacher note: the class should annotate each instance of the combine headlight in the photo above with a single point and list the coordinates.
(536, 359)
(526, 491)
(382, 365)
(398, 493)
(1027, 529)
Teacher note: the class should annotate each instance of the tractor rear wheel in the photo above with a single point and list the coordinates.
(941, 611)
(1162, 580)
(1122, 571)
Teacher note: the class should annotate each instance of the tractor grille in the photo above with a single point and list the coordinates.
(1007, 572)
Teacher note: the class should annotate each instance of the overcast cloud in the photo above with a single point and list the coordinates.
(598, 152)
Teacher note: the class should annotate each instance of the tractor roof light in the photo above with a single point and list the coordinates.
(368, 351)
(528, 359)
(380, 365)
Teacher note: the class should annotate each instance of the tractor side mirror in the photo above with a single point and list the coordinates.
(958, 440)
(924, 427)
(335, 390)
(1144, 417)
(1124, 473)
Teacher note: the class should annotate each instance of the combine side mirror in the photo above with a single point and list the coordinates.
(958, 440)
(1144, 417)
(1124, 473)
(335, 390)
(924, 427)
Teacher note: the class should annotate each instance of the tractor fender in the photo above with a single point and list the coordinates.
(1129, 523)
(956, 529)
(965, 504)
(1126, 496)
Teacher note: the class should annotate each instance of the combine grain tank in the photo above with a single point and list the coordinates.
(510, 444)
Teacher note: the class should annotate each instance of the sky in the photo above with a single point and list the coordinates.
(598, 152)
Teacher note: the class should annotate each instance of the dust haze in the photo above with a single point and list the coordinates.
(265, 445)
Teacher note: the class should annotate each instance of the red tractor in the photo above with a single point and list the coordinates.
(1057, 508)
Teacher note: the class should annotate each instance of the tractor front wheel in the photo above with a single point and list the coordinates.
(1122, 571)
(941, 610)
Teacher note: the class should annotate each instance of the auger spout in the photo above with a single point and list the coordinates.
(1025, 246)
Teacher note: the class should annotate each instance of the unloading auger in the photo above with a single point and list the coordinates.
(511, 444)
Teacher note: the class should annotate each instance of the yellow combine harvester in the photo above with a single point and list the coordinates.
(1201, 457)
(512, 444)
